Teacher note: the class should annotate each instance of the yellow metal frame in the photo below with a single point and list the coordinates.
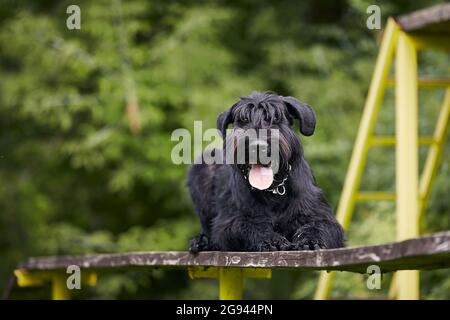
(56, 278)
(407, 157)
(408, 187)
(231, 279)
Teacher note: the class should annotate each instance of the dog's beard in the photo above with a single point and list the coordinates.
(260, 172)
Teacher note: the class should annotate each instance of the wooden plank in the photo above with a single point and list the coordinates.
(435, 19)
(429, 252)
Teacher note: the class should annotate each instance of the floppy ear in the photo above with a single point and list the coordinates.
(303, 112)
(223, 120)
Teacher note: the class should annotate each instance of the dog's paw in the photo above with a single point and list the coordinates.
(281, 243)
(307, 244)
(276, 242)
(199, 243)
(307, 241)
(265, 246)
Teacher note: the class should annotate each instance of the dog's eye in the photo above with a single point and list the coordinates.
(276, 118)
(243, 119)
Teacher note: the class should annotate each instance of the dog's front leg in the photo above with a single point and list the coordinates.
(320, 234)
(200, 243)
(247, 233)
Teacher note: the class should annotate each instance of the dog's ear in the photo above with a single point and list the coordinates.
(223, 120)
(303, 112)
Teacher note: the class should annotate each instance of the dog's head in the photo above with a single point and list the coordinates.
(263, 143)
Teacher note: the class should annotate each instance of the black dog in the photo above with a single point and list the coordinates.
(284, 212)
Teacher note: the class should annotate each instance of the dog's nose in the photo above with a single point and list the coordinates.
(258, 145)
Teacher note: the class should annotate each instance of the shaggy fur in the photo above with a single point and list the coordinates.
(236, 217)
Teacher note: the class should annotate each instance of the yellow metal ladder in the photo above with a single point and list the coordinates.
(411, 192)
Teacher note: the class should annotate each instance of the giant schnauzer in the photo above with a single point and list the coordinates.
(247, 206)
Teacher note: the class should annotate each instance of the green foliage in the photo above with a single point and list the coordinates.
(76, 180)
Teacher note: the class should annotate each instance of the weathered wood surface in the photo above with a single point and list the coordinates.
(429, 252)
(435, 19)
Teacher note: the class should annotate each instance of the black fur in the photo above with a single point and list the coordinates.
(236, 217)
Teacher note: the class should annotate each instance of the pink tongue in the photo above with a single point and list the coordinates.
(260, 177)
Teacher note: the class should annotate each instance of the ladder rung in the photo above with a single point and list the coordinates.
(375, 196)
(427, 140)
(390, 140)
(424, 83)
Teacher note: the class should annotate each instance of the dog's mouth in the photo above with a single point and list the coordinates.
(265, 177)
(260, 177)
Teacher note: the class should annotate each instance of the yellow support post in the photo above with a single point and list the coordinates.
(407, 164)
(434, 154)
(368, 120)
(230, 279)
(59, 287)
(27, 279)
(58, 280)
(203, 272)
(359, 154)
(231, 282)
(392, 293)
(430, 168)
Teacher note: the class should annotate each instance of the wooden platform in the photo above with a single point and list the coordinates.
(433, 20)
(428, 252)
